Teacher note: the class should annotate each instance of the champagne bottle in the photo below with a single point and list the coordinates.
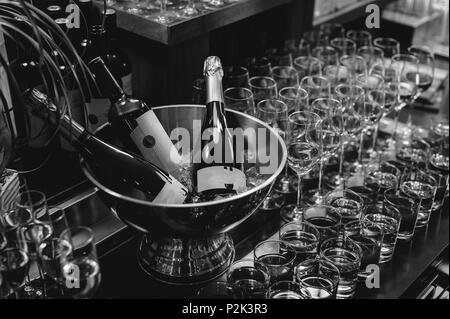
(164, 188)
(217, 175)
(136, 123)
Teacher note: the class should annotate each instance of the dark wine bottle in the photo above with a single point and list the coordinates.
(136, 123)
(132, 169)
(217, 175)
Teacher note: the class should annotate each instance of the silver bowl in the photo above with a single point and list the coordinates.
(188, 244)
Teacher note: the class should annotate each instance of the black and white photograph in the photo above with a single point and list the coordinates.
(186, 151)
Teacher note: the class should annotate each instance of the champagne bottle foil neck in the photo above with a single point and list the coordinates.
(214, 91)
(213, 67)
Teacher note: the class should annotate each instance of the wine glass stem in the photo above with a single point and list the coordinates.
(299, 191)
(360, 151)
(375, 136)
(341, 161)
(394, 134)
(319, 187)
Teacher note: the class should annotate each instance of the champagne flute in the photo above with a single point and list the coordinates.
(304, 140)
(330, 141)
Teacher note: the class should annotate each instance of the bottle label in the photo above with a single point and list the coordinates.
(97, 113)
(172, 193)
(155, 145)
(220, 177)
(127, 86)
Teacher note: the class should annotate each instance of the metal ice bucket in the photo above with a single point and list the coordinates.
(188, 244)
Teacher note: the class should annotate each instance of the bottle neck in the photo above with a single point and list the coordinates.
(214, 91)
(106, 82)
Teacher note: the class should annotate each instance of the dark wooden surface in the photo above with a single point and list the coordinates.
(184, 30)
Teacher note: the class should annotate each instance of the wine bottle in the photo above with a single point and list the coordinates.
(217, 176)
(136, 123)
(163, 187)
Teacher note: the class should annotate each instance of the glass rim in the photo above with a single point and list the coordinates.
(316, 230)
(313, 78)
(273, 83)
(379, 42)
(45, 243)
(289, 88)
(322, 99)
(397, 195)
(280, 243)
(405, 57)
(317, 261)
(335, 41)
(67, 233)
(359, 32)
(343, 239)
(55, 210)
(329, 210)
(314, 118)
(275, 110)
(236, 88)
(40, 201)
(243, 69)
(371, 48)
(338, 88)
(421, 47)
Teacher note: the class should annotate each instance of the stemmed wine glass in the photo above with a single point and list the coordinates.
(348, 121)
(327, 55)
(374, 58)
(390, 47)
(316, 86)
(405, 68)
(275, 113)
(287, 184)
(371, 109)
(304, 148)
(330, 141)
(426, 66)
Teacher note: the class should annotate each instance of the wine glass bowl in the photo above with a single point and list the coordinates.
(203, 225)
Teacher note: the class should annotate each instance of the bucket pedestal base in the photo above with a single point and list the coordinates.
(185, 261)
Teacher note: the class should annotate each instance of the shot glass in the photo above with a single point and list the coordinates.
(325, 218)
(382, 177)
(388, 218)
(248, 279)
(346, 255)
(239, 99)
(369, 195)
(278, 257)
(408, 210)
(369, 237)
(304, 238)
(349, 204)
(420, 187)
(319, 277)
(287, 290)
